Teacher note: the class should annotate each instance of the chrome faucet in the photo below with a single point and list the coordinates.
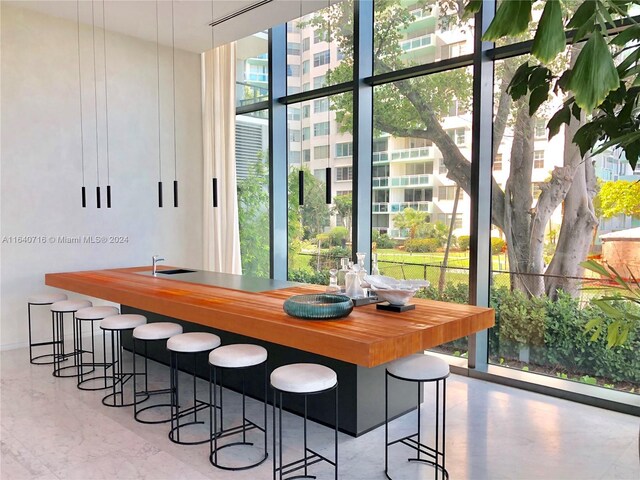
(156, 259)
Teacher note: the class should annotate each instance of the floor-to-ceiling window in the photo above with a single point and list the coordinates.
(422, 203)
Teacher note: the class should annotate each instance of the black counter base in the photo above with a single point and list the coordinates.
(361, 390)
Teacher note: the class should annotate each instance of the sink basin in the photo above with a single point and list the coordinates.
(176, 271)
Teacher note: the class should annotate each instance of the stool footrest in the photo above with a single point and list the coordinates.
(312, 459)
(200, 405)
(248, 426)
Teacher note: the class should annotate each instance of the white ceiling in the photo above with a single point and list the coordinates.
(137, 18)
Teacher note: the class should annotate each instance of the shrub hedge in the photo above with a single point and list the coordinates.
(554, 332)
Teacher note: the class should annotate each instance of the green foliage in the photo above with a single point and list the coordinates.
(594, 82)
(621, 304)
(497, 245)
(522, 319)
(382, 240)
(253, 217)
(412, 220)
(338, 235)
(343, 206)
(620, 197)
(308, 220)
(421, 245)
(453, 292)
(438, 231)
(563, 344)
(309, 276)
(463, 242)
(339, 252)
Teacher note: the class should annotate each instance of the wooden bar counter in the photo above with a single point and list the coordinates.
(244, 309)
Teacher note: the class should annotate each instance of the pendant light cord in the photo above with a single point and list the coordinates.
(213, 104)
(80, 92)
(106, 96)
(173, 68)
(95, 88)
(158, 90)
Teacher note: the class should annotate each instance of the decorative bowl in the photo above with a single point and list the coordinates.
(384, 282)
(399, 296)
(321, 306)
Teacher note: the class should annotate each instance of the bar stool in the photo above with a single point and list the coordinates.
(420, 368)
(92, 314)
(42, 299)
(302, 379)
(58, 309)
(115, 325)
(192, 343)
(150, 332)
(235, 357)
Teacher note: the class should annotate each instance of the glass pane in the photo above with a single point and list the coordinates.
(320, 233)
(420, 184)
(544, 224)
(320, 48)
(252, 75)
(414, 32)
(252, 171)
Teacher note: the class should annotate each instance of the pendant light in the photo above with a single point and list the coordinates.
(95, 104)
(84, 189)
(106, 101)
(175, 148)
(158, 95)
(214, 180)
(328, 199)
(301, 171)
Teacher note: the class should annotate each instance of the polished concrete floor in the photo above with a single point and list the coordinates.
(51, 430)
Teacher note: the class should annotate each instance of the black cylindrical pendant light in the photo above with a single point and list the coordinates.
(158, 100)
(160, 194)
(84, 190)
(214, 191)
(327, 179)
(301, 187)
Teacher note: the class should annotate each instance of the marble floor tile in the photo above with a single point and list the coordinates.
(50, 430)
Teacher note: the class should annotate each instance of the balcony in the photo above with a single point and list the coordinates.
(412, 181)
(380, 207)
(382, 182)
(380, 157)
(418, 43)
(411, 154)
(398, 207)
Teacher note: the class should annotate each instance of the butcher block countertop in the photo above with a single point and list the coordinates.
(253, 307)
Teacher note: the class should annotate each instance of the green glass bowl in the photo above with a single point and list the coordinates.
(321, 306)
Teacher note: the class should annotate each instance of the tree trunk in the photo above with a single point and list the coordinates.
(443, 268)
(518, 199)
(578, 222)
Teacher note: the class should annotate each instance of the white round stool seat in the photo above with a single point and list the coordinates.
(46, 298)
(157, 331)
(303, 378)
(123, 322)
(193, 342)
(419, 367)
(65, 306)
(238, 356)
(96, 313)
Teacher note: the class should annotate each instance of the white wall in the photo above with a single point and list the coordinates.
(41, 161)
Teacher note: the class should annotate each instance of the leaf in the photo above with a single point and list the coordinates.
(591, 324)
(594, 74)
(586, 137)
(608, 309)
(549, 40)
(471, 8)
(519, 84)
(584, 12)
(538, 96)
(628, 137)
(583, 20)
(627, 35)
(512, 18)
(576, 111)
(596, 267)
(561, 116)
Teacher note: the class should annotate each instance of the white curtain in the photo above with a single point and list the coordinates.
(220, 225)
